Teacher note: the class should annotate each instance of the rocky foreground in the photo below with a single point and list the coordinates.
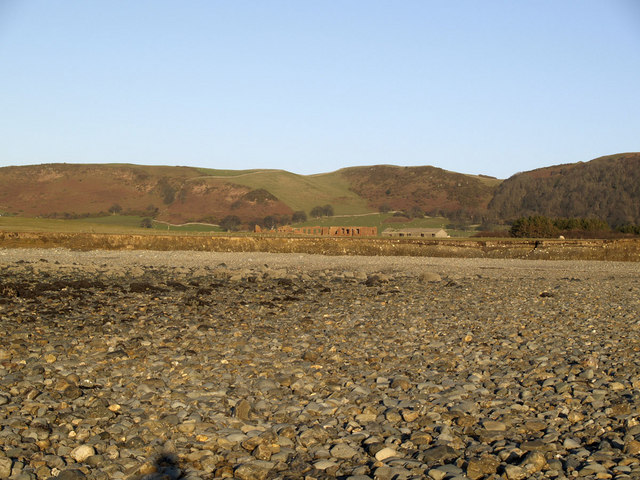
(256, 366)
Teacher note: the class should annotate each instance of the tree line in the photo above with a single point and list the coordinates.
(539, 226)
(271, 222)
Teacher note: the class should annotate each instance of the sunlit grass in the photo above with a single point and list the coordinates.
(127, 224)
(300, 192)
(108, 224)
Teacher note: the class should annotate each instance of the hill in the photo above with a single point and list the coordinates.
(175, 194)
(607, 188)
(433, 190)
(183, 194)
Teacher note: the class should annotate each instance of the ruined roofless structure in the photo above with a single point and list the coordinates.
(327, 231)
(416, 232)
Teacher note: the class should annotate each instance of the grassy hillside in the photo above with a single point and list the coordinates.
(608, 188)
(174, 194)
(303, 192)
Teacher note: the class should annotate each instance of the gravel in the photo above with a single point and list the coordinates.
(167, 365)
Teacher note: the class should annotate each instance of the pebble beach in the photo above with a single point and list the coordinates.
(254, 366)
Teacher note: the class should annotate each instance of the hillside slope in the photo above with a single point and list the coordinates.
(607, 188)
(303, 192)
(175, 194)
(433, 190)
(182, 194)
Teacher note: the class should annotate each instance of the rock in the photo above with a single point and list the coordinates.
(515, 472)
(571, 444)
(50, 358)
(256, 470)
(324, 465)
(5, 467)
(429, 277)
(493, 426)
(343, 451)
(71, 474)
(437, 474)
(441, 453)
(592, 468)
(410, 415)
(313, 436)
(376, 279)
(386, 453)
(483, 466)
(632, 447)
(421, 438)
(242, 409)
(401, 383)
(533, 462)
(575, 417)
(81, 453)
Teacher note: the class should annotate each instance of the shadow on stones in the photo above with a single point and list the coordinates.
(166, 466)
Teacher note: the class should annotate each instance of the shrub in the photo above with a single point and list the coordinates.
(230, 223)
(316, 212)
(416, 212)
(321, 211)
(299, 217)
(629, 228)
(259, 195)
(146, 223)
(535, 226)
(539, 226)
(115, 209)
(167, 191)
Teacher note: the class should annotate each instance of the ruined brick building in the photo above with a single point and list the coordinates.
(327, 231)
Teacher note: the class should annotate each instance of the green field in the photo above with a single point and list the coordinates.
(108, 224)
(116, 224)
(131, 224)
(189, 227)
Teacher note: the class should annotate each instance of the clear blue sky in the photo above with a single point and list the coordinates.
(491, 86)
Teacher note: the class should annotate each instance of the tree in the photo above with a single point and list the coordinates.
(146, 223)
(416, 212)
(535, 226)
(321, 211)
(316, 212)
(327, 210)
(230, 223)
(115, 209)
(270, 221)
(299, 217)
(632, 229)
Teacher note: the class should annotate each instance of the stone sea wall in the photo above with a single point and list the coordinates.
(611, 250)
